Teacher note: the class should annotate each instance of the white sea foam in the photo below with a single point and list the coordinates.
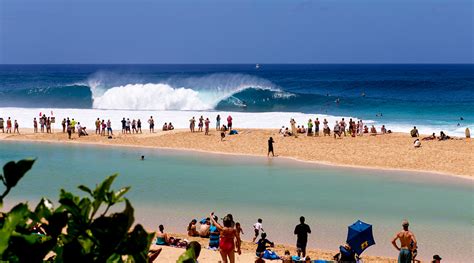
(192, 93)
(180, 119)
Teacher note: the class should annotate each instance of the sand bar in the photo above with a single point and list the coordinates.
(390, 151)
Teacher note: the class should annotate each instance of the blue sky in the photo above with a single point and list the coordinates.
(221, 31)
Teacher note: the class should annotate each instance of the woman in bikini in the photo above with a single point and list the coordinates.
(228, 235)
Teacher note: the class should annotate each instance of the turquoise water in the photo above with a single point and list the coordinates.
(172, 187)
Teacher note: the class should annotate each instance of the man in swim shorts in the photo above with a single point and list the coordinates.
(301, 231)
(407, 240)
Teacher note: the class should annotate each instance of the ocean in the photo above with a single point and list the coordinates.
(432, 97)
(173, 187)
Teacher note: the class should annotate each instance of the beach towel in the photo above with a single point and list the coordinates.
(232, 132)
(268, 254)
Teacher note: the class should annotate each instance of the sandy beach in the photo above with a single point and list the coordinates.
(170, 254)
(389, 151)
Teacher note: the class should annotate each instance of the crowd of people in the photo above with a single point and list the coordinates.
(226, 239)
(341, 127)
(8, 128)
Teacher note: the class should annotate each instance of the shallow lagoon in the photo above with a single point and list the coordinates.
(172, 187)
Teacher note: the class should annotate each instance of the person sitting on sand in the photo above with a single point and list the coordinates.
(436, 259)
(204, 229)
(282, 131)
(263, 243)
(286, 258)
(287, 132)
(366, 129)
(228, 235)
(165, 127)
(81, 131)
(346, 254)
(429, 138)
(417, 143)
(192, 231)
(224, 128)
(303, 130)
(260, 258)
(193, 250)
(414, 132)
(443, 136)
(170, 127)
(162, 238)
(373, 131)
(383, 130)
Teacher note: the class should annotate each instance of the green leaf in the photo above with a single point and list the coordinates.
(118, 195)
(13, 172)
(17, 216)
(43, 209)
(85, 189)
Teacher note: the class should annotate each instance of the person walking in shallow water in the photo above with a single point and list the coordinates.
(270, 147)
(407, 238)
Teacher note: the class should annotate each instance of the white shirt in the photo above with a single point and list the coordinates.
(258, 226)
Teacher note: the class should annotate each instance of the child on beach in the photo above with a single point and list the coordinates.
(257, 227)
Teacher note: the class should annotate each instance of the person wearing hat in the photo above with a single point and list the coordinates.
(407, 238)
(436, 259)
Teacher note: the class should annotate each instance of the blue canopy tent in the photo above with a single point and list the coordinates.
(360, 236)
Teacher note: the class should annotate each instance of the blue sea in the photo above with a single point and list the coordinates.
(436, 97)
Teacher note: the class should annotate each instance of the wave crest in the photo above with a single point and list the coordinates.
(191, 93)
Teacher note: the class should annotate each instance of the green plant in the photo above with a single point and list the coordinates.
(72, 232)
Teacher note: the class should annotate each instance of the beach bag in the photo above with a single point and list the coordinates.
(268, 254)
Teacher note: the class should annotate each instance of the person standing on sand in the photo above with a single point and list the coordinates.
(151, 123)
(206, 123)
(192, 124)
(201, 124)
(361, 128)
(16, 128)
(301, 231)
(342, 123)
(109, 128)
(104, 127)
(310, 128)
(35, 125)
(293, 127)
(270, 147)
(69, 131)
(63, 124)
(218, 122)
(139, 126)
(9, 125)
(406, 238)
(228, 235)
(1, 125)
(229, 122)
(97, 126)
(316, 127)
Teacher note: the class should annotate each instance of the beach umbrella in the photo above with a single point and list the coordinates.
(360, 236)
